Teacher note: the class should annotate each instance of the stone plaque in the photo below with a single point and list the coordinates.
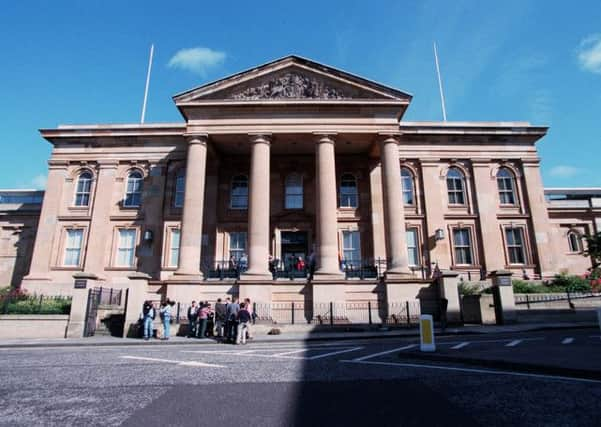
(504, 281)
(80, 284)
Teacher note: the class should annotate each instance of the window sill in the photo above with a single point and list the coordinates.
(67, 268)
(115, 268)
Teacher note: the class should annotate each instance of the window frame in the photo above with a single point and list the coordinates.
(77, 191)
(300, 194)
(117, 248)
(579, 246)
(138, 192)
(66, 247)
(348, 177)
(357, 249)
(523, 246)
(239, 250)
(232, 196)
(470, 246)
(409, 176)
(461, 179)
(417, 247)
(509, 177)
(180, 176)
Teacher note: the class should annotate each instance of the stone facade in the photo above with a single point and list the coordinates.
(286, 159)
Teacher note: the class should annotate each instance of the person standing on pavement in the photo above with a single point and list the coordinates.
(220, 311)
(192, 317)
(203, 318)
(243, 318)
(166, 312)
(148, 314)
(249, 307)
(232, 317)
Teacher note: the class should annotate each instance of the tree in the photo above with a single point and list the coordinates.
(593, 249)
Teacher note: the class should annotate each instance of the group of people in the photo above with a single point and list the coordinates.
(229, 320)
(149, 314)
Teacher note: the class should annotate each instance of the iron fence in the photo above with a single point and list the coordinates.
(109, 296)
(533, 299)
(19, 303)
(223, 269)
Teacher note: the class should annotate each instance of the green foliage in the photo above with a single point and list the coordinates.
(17, 301)
(524, 287)
(570, 283)
(593, 248)
(466, 288)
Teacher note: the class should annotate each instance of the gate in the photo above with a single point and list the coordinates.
(94, 296)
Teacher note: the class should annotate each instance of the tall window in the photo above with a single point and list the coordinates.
(174, 248)
(574, 241)
(462, 243)
(412, 247)
(349, 196)
(351, 246)
(294, 191)
(408, 186)
(82, 192)
(126, 247)
(239, 192)
(73, 243)
(506, 186)
(515, 245)
(456, 186)
(180, 185)
(133, 192)
(237, 244)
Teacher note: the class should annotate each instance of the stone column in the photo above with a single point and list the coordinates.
(42, 252)
(488, 201)
(541, 224)
(258, 210)
(394, 216)
(326, 210)
(191, 230)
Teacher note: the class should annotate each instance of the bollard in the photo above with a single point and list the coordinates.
(426, 333)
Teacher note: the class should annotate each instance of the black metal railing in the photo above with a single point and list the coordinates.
(109, 296)
(21, 303)
(223, 269)
(568, 297)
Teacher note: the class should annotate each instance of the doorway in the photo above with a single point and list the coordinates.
(294, 245)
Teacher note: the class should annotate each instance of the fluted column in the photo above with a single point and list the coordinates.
(191, 229)
(326, 209)
(258, 209)
(394, 216)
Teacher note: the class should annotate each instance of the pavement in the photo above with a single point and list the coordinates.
(359, 381)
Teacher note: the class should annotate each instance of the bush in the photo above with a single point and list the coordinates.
(468, 289)
(32, 305)
(524, 287)
(564, 282)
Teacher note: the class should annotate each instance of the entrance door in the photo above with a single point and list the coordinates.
(294, 245)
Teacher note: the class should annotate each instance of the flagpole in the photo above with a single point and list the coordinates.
(147, 84)
(444, 111)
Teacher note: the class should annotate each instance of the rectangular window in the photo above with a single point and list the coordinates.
(174, 248)
(514, 238)
(126, 247)
(73, 243)
(462, 243)
(351, 246)
(237, 245)
(412, 247)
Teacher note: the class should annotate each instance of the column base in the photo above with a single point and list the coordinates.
(254, 276)
(398, 274)
(320, 276)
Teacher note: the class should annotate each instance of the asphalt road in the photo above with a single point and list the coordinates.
(358, 382)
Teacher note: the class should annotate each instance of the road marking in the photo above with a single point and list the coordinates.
(460, 345)
(472, 370)
(567, 340)
(513, 343)
(287, 355)
(319, 356)
(292, 352)
(176, 362)
(371, 356)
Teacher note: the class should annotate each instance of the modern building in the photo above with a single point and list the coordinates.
(297, 160)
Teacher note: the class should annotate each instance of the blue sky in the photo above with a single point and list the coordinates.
(75, 62)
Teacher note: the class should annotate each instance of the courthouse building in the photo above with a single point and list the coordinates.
(296, 160)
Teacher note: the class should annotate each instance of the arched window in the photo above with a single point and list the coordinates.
(506, 186)
(133, 191)
(349, 196)
(456, 186)
(84, 186)
(239, 192)
(294, 191)
(574, 241)
(408, 186)
(180, 185)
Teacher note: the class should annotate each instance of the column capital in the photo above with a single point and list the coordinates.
(389, 138)
(260, 138)
(325, 137)
(196, 138)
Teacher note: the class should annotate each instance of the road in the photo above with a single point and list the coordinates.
(330, 383)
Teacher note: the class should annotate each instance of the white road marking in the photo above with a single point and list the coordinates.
(567, 340)
(319, 356)
(472, 370)
(286, 355)
(513, 343)
(460, 345)
(371, 356)
(292, 352)
(176, 362)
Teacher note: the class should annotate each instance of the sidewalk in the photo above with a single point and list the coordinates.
(295, 334)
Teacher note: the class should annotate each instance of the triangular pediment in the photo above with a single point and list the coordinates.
(292, 78)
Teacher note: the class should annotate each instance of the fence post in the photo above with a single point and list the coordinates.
(369, 309)
(527, 302)
(41, 299)
(293, 312)
(408, 314)
(569, 299)
(331, 313)
(111, 297)
(177, 317)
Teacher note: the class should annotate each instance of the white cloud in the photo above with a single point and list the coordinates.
(589, 53)
(196, 59)
(39, 182)
(565, 171)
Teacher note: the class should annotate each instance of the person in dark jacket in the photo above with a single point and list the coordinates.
(220, 317)
(192, 317)
(243, 322)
